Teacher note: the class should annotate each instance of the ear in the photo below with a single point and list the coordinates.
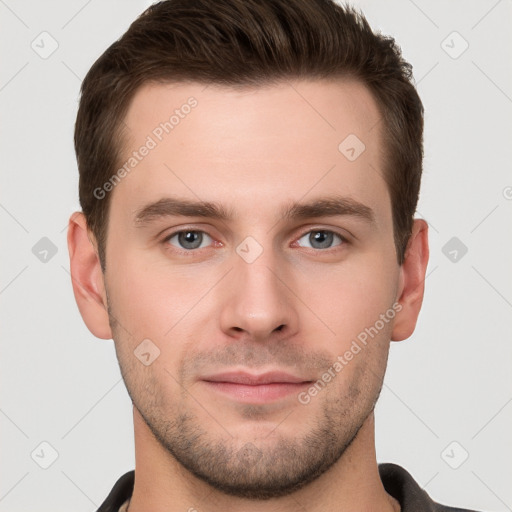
(87, 278)
(412, 281)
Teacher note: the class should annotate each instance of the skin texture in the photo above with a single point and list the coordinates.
(296, 308)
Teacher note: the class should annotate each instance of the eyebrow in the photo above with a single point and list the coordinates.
(331, 206)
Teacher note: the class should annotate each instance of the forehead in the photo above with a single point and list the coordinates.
(331, 108)
(258, 144)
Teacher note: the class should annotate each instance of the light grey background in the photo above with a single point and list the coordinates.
(449, 383)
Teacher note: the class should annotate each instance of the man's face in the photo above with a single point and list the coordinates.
(259, 293)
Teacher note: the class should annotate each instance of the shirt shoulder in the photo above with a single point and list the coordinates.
(412, 498)
(396, 480)
(121, 492)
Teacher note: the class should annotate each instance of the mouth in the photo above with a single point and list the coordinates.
(255, 389)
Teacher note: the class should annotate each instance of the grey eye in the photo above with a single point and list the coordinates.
(189, 239)
(320, 239)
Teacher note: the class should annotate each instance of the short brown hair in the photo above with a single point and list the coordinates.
(249, 42)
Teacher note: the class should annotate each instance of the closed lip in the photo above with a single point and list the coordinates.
(249, 379)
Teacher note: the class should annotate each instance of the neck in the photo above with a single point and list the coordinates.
(352, 483)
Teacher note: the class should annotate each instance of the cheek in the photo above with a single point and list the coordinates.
(351, 296)
(150, 298)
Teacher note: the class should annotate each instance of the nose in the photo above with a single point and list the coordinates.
(257, 300)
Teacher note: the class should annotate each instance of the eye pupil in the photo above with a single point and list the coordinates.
(323, 238)
(190, 239)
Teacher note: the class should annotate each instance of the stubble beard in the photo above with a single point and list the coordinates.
(254, 469)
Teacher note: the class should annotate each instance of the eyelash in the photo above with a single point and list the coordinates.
(193, 252)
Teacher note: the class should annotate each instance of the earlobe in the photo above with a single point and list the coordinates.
(87, 278)
(412, 281)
